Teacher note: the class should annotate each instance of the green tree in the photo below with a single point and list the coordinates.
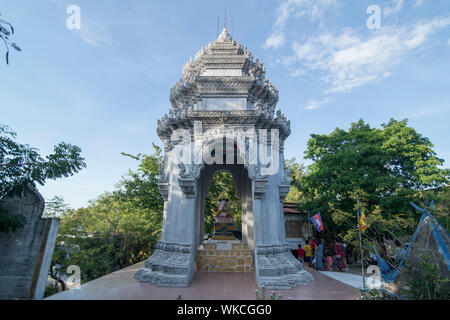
(55, 207)
(385, 167)
(297, 172)
(117, 229)
(6, 32)
(22, 167)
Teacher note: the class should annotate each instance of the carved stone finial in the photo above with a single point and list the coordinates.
(225, 36)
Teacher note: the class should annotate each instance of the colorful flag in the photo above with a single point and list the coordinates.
(317, 221)
(362, 221)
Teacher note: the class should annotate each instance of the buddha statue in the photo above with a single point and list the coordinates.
(223, 222)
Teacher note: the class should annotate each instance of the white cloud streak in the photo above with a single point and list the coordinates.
(95, 34)
(419, 3)
(347, 60)
(313, 9)
(396, 8)
(315, 104)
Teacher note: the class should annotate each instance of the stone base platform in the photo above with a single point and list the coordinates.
(224, 256)
(225, 286)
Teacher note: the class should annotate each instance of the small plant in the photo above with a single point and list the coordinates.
(49, 290)
(371, 294)
(179, 297)
(262, 296)
(274, 296)
(426, 282)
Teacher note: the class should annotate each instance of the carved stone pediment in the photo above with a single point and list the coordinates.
(260, 188)
(284, 191)
(164, 190)
(187, 186)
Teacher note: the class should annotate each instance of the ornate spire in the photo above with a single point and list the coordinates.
(224, 36)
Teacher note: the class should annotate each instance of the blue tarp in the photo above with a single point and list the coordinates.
(389, 275)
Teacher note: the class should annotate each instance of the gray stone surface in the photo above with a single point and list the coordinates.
(25, 254)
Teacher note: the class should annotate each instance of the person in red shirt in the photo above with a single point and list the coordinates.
(301, 253)
(313, 244)
(337, 249)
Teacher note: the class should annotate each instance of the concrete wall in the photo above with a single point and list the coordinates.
(25, 254)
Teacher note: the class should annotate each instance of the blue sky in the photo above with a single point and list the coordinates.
(104, 87)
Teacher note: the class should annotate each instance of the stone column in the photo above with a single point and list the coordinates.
(172, 263)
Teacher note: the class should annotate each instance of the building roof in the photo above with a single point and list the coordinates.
(291, 208)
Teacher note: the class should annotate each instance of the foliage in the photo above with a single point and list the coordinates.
(222, 186)
(441, 211)
(378, 294)
(297, 172)
(6, 31)
(262, 295)
(21, 167)
(11, 222)
(117, 229)
(426, 282)
(55, 207)
(386, 168)
(49, 290)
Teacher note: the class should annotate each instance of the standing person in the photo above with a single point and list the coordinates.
(344, 255)
(338, 260)
(329, 260)
(308, 253)
(301, 253)
(313, 244)
(319, 255)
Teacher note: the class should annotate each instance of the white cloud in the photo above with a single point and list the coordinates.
(94, 34)
(419, 3)
(315, 104)
(314, 9)
(396, 8)
(276, 41)
(347, 60)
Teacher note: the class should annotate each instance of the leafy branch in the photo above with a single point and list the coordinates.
(6, 31)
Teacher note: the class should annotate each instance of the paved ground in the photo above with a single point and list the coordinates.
(354, 280)
(120, 285)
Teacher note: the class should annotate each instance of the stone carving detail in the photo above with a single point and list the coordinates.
(260, 188)
(164, 190)
(163, 180)
(188, 187)
(277, 268)
(284, 191)
(224, 53)
(169, 266)
(285, 185)
(187, 179)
